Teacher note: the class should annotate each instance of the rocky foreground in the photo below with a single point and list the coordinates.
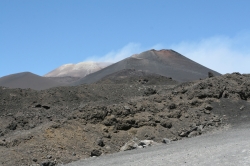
(65, 124)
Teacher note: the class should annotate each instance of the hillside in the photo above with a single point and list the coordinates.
(77, 70)
(64, 124)
(167, 63)
(26, 80)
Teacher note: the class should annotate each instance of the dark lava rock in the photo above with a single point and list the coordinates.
(208, 107)
(109, 121)
(166, 124)
(183, 134)
(149, 91)
(46, 107)
(123, 126)
(172, 106)
(12, 126)
(100, 142)
(48, 163)
(38, 106)
(95, 153)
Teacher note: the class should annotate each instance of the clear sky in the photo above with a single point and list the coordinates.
(41, 35)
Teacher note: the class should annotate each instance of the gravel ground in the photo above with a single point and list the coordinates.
(227, 147)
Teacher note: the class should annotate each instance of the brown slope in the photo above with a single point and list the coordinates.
(164, 62)
(27, 80)
(132, 76)
(64, 80)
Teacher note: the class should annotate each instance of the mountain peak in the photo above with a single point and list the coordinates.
(165, 62)
(77, 70)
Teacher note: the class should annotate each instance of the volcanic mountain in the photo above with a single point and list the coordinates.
(77, 70)
(132, 76)
(27, 80)
(163, 62)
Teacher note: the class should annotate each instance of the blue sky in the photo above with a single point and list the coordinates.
(41, 35)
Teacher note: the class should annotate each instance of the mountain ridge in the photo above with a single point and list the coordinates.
(77, 70)
(26, 80)
(167, 63)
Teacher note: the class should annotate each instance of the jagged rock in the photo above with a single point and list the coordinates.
(166, 124)
(208, 107)
(100, 142)
(126, 107)
(38, 106)
(129, 146)
(172, 106)
(109, 121)
(46, 107)
(12, 126)
(123, 126)
(183, 134)
(48, 163)
(145, 143)
(95, 153)
(225, 94)
(193, 128)
(149, 91)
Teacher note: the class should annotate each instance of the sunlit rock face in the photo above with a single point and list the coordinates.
(77, 70)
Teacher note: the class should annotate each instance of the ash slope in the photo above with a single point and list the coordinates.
(28, 80)
(132, 76)
(77, 70)
(164, 62)
(64, 80)
(65, 124)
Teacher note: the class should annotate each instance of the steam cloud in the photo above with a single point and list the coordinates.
(220, 53)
